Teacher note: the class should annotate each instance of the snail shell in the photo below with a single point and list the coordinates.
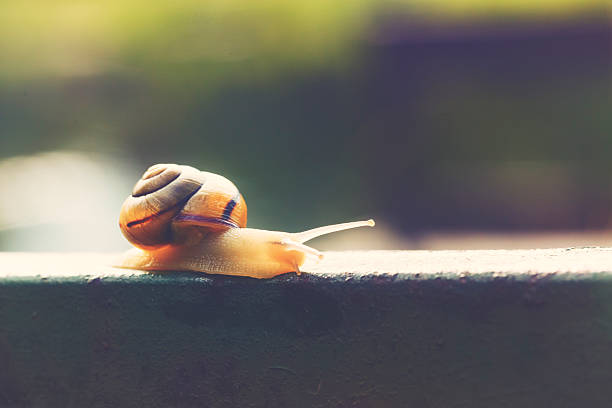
(169, 199)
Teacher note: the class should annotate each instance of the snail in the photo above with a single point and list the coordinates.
(180, 218)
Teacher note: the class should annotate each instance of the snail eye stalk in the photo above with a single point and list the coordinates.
(328, 229)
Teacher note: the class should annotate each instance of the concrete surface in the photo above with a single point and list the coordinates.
(362, 329)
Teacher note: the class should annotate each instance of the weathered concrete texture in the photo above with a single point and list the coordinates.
(423, 329)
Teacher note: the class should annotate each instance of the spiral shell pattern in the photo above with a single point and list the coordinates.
(170, 196)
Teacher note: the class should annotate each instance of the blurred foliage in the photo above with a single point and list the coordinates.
(426, 114)
(166, 40)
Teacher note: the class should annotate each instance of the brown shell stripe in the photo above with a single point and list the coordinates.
(153, 216)
(229, 207)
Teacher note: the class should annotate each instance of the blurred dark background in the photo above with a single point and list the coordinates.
(430, 117)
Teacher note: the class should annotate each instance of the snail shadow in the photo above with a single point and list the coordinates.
(195, 275)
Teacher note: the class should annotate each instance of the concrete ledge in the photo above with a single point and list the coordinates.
(363, 329)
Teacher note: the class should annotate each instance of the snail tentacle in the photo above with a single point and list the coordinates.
(328, 229)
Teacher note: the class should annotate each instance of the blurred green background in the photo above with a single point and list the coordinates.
(429, 116)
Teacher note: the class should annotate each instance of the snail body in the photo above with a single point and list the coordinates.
(180, 218)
